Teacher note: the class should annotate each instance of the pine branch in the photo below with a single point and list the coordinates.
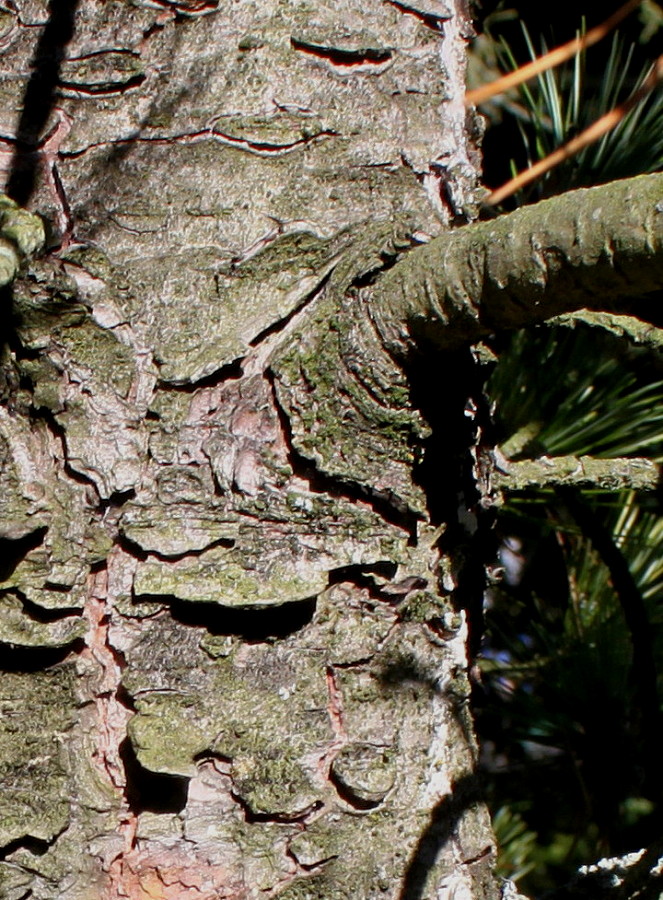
(578, 471)
(587, 137)
(637, 621)
(598, 248)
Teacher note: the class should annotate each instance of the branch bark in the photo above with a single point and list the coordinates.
(597, 248)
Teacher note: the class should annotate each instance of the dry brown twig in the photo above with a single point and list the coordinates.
(551, 59)
(595, 131)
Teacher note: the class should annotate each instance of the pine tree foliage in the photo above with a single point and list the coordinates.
(559, 710)
(566, 100)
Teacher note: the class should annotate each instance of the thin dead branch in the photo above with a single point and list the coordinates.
(595, 131)
(550, 60)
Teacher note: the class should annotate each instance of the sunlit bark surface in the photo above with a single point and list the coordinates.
(231, 667)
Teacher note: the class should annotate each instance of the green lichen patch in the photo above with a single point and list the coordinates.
(214, 310)
(14, 881)
(46, 301)
(36, 710)
(21, 235)
(168, 732)
(354, 628)
(422, 606)
(287, 694)
(263, 853)
(316, 845)
(364, 773)
(19, 628)
(354, 851)
(51, 564)
(177, 529)
(272, 781)
(105, 439)
(230, 577)
(97, 353)
(53, 573)
(102, 72)
(22, 507)
(347, 400)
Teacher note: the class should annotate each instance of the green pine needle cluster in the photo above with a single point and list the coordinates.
(560, 721)
(564, 101)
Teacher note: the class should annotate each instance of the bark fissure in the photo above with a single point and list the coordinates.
(212, 133)
(434, 21)
(221, 434)
(337, 56)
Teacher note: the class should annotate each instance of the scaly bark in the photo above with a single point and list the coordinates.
(227, 607)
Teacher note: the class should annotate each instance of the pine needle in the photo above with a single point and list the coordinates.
(589, 136)
(550, 60)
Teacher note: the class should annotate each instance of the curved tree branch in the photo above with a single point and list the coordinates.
(596, 248)
(342, 380)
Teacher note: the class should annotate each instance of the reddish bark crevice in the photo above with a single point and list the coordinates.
(430, 20)
(259, 148)
(341, 58)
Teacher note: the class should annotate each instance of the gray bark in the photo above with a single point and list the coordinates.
(227, 673)
(235, 651)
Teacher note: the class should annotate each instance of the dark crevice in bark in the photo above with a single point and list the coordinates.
(9, 373)
(441, 389)
(388, 259)
(12, 552)
(35, 659)
(444, 819)
(210, 755)
(36, 846)
(125, 698)
(59, 433)
(229, 372)
(267, 148)
(251, 624)
(361, 576)
(280, 324)
(41, 613)
(448, 389)
(402, 670)
(188, 9)
(312, 867)
(387, 505)
(345, 58)
(281, 817)
(430, 20)
(136, 550)
(392, 593)
(116, 500)
(355, 664)
(148, 791)
(105, 89)
(39, 99)
(348, 796)
(259, 148)
(393, 510)
(155, 28)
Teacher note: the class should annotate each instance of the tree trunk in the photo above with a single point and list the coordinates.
(239, 448)
(228, 672)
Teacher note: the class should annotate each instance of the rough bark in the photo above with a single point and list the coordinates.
(234, 662)
(227, 673)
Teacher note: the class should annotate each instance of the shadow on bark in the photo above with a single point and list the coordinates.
(39, 99)
(443, 821)
(148, 791)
